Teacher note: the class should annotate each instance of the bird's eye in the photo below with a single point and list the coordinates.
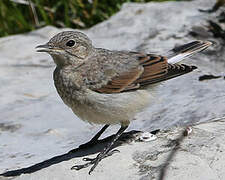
(70, 43)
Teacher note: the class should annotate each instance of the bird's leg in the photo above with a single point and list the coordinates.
(94, 140)
(105, 153)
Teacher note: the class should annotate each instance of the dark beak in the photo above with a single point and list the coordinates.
(44, 48)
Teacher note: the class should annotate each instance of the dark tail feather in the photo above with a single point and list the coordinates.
(179, 53)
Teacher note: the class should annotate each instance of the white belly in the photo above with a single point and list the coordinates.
(111, 108)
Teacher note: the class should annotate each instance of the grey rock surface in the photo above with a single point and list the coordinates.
(198, 156)
(35, 125)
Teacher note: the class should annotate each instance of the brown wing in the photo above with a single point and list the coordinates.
(122, 82)
(150, 66)
(152, 69)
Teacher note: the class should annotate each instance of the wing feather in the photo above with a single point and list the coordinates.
(122, 82)
(152, 69)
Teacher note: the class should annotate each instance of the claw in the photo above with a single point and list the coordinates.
(94, 161)
(110, 153)
(93, 167)
(88, 159)
(115, 151)
(76, 167)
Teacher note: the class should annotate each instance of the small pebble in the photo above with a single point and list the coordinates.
(147, 136)
(187, 131)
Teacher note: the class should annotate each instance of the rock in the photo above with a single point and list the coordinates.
(198, 156)
(43, 127)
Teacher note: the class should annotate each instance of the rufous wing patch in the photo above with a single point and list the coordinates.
(123, 81)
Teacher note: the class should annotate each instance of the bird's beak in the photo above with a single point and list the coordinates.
(43, 48)
(48, 48)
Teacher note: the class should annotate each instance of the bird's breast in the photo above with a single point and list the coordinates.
(101, 108)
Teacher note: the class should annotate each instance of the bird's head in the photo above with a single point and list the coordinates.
(68, 48)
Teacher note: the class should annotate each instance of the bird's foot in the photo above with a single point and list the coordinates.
(94, 161)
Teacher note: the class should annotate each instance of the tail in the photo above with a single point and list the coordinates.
(179, 53)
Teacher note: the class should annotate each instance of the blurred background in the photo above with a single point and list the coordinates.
(18, 16)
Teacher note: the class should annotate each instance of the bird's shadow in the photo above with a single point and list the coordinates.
(75, 153)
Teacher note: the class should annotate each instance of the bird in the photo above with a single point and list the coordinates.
(110, 87)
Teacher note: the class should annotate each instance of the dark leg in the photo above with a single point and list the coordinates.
(106, 152)
(94, 140)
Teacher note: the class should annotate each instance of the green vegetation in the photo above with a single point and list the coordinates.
(17, 16)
